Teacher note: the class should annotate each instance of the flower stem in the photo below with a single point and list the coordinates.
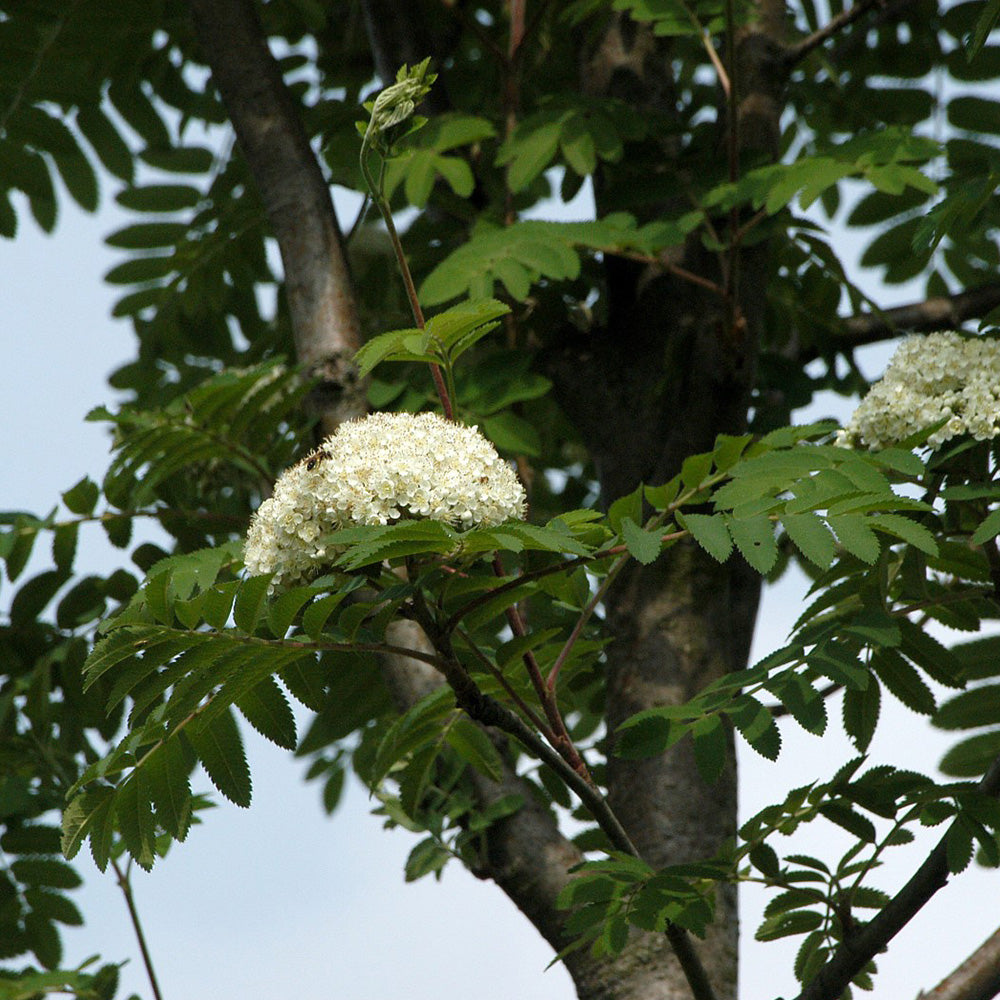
(404, 269)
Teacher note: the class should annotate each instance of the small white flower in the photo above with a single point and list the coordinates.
(934, 378)
(376, 470)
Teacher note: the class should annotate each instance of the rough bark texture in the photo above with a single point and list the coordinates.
(297, 201)
(977, 978)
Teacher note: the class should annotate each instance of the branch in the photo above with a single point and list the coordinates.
(126, 887)
(977, 978)
(946, 312)
(796, 53)
(295, 196)
(856, 951)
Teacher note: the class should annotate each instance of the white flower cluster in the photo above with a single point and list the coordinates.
(941, 376)
(376, 470)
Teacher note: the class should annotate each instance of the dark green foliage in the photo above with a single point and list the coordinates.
(134, 682)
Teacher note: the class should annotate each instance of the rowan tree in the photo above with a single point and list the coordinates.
(495, 654)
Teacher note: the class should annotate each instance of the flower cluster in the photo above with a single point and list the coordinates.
(376, 470)
(930, 379)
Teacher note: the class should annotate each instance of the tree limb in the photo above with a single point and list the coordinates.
(945, 312)
(796, 53)
(856, 951)
(296, 198)
(977, 978)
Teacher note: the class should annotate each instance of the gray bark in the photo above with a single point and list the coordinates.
(297, 201)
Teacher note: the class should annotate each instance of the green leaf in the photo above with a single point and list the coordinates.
(428, 857)
(754, 537)
(396, 345)
(31, 838)
(167, 769)
(529, 151)
(906, 529)
(220, 749)
(937, 661)
(513, 434)
(644, 546)
(971, 709)
(757, 726)
(903, 681)
(474, 747)
(251, 599)
(958, 847)
(710, 746)
(765, 860)
(695, 469)
(812, 538)
(787, 924)
(989, 528)
(148, 235)
(82, 498)
(49, 872)
(855, 534)
(106, 141)
(266, 708)
(710, 532)
(645, 734)
(846, 818)
(43, 939)
(972, 757)
(988, 20)
(803, 702)
(134, 816)
(88, 815)
(861, 712)
(160, 198)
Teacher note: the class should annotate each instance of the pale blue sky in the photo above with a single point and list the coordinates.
(279, 900)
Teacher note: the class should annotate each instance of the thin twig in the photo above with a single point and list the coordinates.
(147, 960)
(550, 704)
(585, 616)
(713, 56)
(530, 714)
(796, 53)
(538, 574)
(404, 268)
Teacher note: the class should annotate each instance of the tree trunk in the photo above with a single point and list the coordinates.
(673, 368)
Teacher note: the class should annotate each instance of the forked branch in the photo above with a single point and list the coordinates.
(855, 952)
